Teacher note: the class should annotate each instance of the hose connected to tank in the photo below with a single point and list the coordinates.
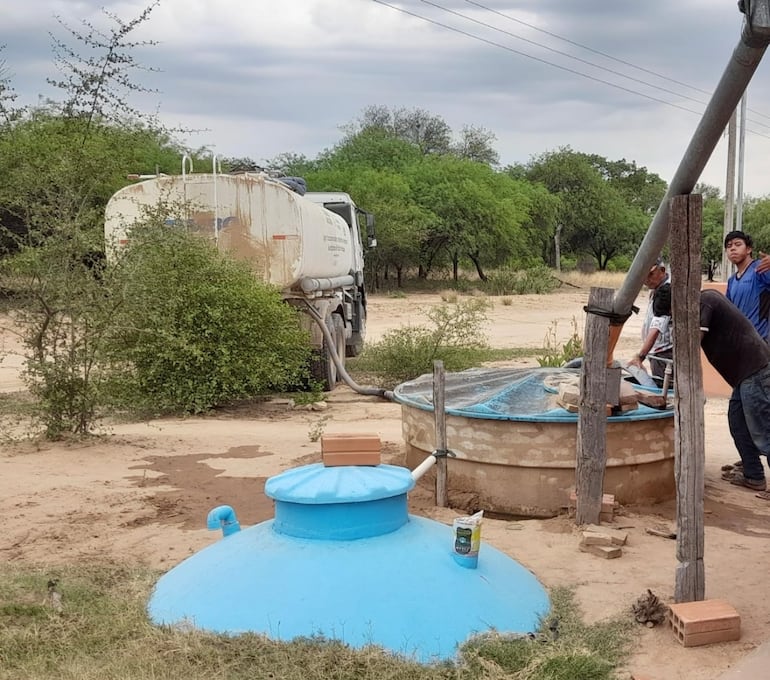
(344, 375)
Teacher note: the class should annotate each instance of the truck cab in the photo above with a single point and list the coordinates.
(359, 221)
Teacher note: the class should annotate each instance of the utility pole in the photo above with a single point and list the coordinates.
(729, 193)
(741, 153)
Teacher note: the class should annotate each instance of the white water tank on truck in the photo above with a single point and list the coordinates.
(285, 238)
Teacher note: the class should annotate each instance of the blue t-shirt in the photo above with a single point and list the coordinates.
(751, 294)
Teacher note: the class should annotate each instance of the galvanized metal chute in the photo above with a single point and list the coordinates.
(608, 310)
(755, 37)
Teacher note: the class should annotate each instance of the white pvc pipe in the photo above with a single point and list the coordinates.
(215, 171)
(423, 467)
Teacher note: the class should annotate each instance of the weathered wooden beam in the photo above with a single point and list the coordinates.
(685, 221)
(439, 415)
(592, 418)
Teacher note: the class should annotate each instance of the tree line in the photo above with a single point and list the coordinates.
(443, 205)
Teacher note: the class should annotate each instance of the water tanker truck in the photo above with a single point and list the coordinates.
(307, 245)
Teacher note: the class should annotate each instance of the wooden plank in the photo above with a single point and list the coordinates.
(685, 223)
(439, 415)
(592, 418)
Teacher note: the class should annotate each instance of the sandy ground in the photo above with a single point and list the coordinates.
(141, 493)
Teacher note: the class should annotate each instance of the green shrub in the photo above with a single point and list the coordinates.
(537, 280)
(455, 337)
(197, 329)
(63, 323)
(619, 263)
(555, 354)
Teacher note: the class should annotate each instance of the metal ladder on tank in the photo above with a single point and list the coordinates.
(216, 170)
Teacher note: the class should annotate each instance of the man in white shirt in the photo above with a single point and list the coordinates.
(656, 328)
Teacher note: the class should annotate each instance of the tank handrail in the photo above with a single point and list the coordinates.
(215, 170)
(186, 159)
(735, 79)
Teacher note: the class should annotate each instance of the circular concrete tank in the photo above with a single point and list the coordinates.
(514, 446)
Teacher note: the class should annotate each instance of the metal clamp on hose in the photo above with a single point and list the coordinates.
(615, 318)
(437, 453)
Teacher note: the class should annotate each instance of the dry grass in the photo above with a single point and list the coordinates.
(99, 629)
(596, 279)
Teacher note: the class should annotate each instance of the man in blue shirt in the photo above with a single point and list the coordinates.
(742, 358)
(748, 289)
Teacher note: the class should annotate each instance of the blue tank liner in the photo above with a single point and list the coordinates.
(517, 394)
(357, 568)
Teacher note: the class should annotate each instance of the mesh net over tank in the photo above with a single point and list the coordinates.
(506, 394)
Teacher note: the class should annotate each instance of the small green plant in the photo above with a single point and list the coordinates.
(317, 428)
(507, 302)
(312, 395)
(555, 354)
(396, 294)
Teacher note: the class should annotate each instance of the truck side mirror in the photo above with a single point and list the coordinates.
(371, 237)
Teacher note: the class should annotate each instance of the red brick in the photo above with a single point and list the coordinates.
(704, 622)
(340, 458)
(334, 443)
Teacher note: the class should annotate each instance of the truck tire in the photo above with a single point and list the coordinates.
(323, 368)
(356, 343)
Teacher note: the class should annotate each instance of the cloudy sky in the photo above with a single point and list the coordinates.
(261, 77)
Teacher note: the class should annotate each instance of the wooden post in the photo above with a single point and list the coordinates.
(592, 418)
(685, 218)
(439, 416)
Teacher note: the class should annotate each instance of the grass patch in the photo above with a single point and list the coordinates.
(102, 631)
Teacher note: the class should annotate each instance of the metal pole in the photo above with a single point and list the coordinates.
(732, 85)
(439, 414)
(741, 154)
(729, 192)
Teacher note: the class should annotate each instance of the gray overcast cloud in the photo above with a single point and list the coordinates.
(264, 77)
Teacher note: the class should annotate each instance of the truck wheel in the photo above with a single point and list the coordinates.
(356, 342)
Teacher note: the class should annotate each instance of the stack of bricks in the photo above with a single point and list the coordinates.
(608, 506)
(603, 542)
(350, 449)
(704, 622)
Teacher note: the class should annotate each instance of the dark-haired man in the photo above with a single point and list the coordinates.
(734, 348)
(749, 288)
(656, 327)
